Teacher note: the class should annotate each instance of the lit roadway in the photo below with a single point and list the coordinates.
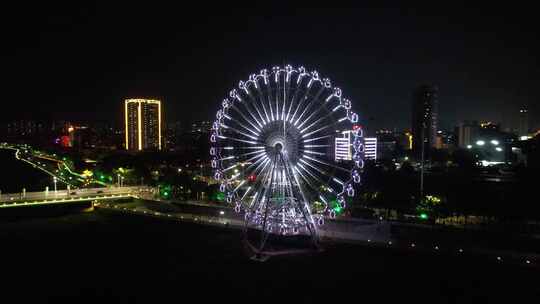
(57, 168)
(8, 200)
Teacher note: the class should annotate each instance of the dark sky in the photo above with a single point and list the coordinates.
(74, 61)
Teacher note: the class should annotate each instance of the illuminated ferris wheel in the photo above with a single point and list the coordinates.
(287, 151)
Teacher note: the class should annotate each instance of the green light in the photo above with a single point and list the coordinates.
(220, 196)
(423, 216)
(166, 193)
(102, 177)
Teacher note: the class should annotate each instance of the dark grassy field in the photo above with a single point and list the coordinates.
(102, 257)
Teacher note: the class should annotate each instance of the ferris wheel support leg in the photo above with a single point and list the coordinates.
(264, 233)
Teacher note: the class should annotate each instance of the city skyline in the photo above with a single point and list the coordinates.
(379, 55)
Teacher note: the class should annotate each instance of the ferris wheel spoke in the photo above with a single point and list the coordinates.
(256, 162)
(307, 119)
(254, 104)
(315, 102)
(315, 159)
(251, 153)
(316, 138)
(269, 100)
(292, 103)
(313, 114)
(318, 108)
(317, 131)
(315, 189)
(317, 146)
(259, 163)
(261, 101)
(313, 124)
(262, 154)
(308, 163)
(286, 89)
(246, 105)
(239, 132)
(263, 163)
(241, 125)
(245, 118)
(239, 140)
(301, 102)
(312, 152)
(309, 172)
(278, 94)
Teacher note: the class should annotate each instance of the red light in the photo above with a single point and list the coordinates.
(356, 127)
(252, 177)
(65, 141)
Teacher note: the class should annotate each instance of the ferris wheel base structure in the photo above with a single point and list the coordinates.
(288, 152)
(278, 245)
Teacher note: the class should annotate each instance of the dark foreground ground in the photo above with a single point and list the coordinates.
(102, 257)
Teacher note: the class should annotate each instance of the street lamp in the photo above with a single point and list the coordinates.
(55, 180)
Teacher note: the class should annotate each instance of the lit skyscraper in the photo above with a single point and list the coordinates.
(523, 122)
(424, 118)
(143, 124)
(370, 148)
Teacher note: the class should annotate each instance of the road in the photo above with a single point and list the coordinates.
(49, 197)
(52, 165)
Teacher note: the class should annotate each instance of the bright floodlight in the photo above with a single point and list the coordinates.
(499, 149)
(495, 142)
(287, 125)
(480, 142)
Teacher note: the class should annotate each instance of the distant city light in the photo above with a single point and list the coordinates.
(487, 163)
(469, 146)
(495, 142)
(499, 149)
(525, 137)
(480, 142)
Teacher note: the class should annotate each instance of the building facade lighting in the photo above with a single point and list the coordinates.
(370, 148)
(142, 124)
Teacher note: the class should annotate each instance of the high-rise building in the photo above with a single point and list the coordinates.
(370, 148)
(424, 118)
(523, 123)
(143, 124)
(467, 133)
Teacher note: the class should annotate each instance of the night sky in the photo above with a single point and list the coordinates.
(69, 61)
